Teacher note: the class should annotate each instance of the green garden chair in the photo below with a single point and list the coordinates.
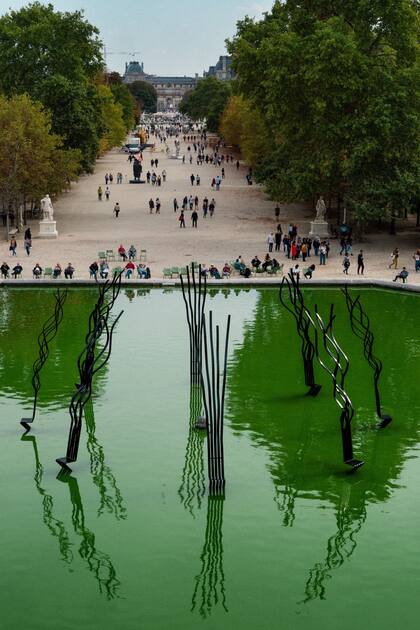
(101, 255)
(174, 271)
(110, 254)
(167, 273)
(48, 272)
(143, 255)
(116, 271)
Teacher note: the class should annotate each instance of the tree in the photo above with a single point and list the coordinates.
(145, 95)
(338, 86)
(242, 125)
(207, 101)
(112, 119)
(32, 159)
(55, 57)
(123, 96)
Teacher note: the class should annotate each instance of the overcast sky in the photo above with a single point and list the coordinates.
(172, 37)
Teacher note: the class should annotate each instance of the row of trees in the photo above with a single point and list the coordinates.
(327, 101)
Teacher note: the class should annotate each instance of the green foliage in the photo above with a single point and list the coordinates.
(32, 159)
(145, 95)
(55, 58)
(243, 126)
(338, 86)
(123, 96)
(207, 101)
(112, 118)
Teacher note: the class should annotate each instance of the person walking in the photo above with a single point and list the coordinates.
(100, 193)
(151, 206)
(192, 178)
(27, 244)
(117, 210)
(194, 218)
(278, 240)
(107, 193)
(181, 219)
(212, 207)
(270, 241)
(157, 204)
(13, 246)
(346, 264)
(360, 263)
(176, 207)
(394, 258)
(322, 253)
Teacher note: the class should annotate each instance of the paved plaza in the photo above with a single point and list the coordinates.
(242, 221)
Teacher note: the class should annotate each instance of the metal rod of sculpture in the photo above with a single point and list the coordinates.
(194, 293)
(303, 325)
(214, 388)
(90, 362)
(360, 325)
(47, 334)
(340, 368)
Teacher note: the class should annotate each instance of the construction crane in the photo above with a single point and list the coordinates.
(119, 52)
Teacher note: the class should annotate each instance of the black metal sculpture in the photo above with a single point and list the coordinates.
(303, 326)
(338, 374)
(360, 325)
(194, 293)
(214, 386)
(90, 361)
(47, 334)
(209, 589)
(98, 562)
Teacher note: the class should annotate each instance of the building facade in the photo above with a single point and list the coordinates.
(222, 70)
(170, 90)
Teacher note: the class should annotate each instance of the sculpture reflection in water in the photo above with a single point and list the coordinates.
(55, 526)
(110, 495)
(91, 361)
(296, 307)
(209, 590)
(360, 325)
(340, 546)
(193, 484)
(99, 563)
(47, 334)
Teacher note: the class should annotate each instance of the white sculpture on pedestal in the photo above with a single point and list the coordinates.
(47, 225)
(319, 227)
(321, 210)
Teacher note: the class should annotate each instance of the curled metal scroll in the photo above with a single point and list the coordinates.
(360, 325)
(303, 326)
(338, 375)
(194, 293)
(214, 387)
(47, 334)
(90, 361)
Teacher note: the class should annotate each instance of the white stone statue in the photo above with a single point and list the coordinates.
(321, 210)
(47, 209)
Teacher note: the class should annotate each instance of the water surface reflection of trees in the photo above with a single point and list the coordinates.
(301, 435)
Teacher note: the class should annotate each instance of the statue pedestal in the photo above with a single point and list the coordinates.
(137, 181)
(320, 229)
(47, 229)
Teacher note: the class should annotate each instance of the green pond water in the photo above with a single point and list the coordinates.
(131, 540)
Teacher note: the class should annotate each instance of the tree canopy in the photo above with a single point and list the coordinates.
(145, 96)
(207, 101)
(337, 85)
(32, 158)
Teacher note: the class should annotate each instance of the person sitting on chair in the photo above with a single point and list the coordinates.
(122, 252)
(239, 264)
(57, 271)
(226, 271)
(132, 253)
(37, 271)
(275, 264)
(295, 272)
(142, 271)
(255, 262)
(5, 270)
(17, 270)
(214, 272)
(69, 271)
(129, 268)
(104, 270)
(93, 270)
(402, 275)
(267, 262)
(246, 272)
(308, 272)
